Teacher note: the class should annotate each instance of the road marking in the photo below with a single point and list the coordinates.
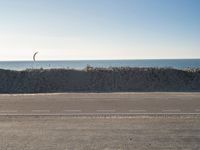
(172, 110)
(153, 98)
(99, 114)
(104, 110)
(41, 111)
(8, 111)
(137, 110)
(72, 110)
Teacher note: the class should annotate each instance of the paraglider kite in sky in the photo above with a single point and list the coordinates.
(34, 56)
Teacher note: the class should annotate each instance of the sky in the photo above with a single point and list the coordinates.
(99, 29)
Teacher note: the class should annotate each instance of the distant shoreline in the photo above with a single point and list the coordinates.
(123, 79)
(81, 64)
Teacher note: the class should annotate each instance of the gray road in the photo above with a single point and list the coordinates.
(101, 104)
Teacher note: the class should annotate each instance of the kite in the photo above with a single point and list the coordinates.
(34, 56)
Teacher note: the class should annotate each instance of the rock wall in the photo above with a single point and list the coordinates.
(99, 80)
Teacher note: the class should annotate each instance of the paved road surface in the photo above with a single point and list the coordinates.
(82, 104)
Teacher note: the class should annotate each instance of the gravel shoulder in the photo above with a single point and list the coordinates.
(63, 133)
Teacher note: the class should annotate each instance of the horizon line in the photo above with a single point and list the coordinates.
(122, 59)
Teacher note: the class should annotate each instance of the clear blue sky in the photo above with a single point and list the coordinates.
(99, 29)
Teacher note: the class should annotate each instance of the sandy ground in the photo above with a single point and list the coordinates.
(63, 133)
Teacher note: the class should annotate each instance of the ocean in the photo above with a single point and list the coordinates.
(81, 64)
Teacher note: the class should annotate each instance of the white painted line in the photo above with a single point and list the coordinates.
(151, 98)
(97, 114)
(137, 110)
(39, 111)
(72, 110)
(104, 110)
(8, 111)
(172, 110)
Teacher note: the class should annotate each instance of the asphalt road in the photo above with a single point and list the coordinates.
(84, 104)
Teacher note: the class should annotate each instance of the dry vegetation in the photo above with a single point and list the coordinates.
(99, 80)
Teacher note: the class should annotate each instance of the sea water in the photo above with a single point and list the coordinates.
(81, 64)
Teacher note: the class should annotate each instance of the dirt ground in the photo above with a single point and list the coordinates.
(65, 133)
